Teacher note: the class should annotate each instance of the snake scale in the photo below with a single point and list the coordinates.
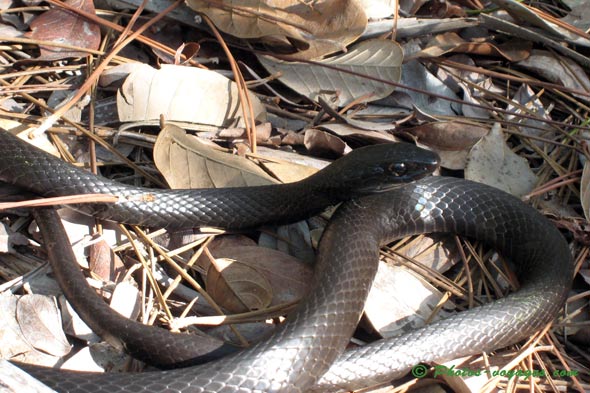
(307, 352)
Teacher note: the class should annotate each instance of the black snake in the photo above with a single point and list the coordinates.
(296, 358)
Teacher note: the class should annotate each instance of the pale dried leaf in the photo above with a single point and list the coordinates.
(12, 342)
(126, 300)
(378, 9)
(493, 163)
(73, 324)
(351, 133)
(293, 239)
(184, 94)
(288, 172)
(523, 13)
(185, 162)
(40, 321)
(376, 58)
(390, 310)
(417, 76)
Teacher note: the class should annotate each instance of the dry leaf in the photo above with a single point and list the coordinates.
(380, 59)
(323, 144)
(287, 277)
(451, 140)
(361, 136)
(318, 28)
(513, 50)
(73, 324)
(237, 286)
(558, 69)
(40, 322)
(65, 27)
(185, 162)
(389, 308)
(126, 300)
(526, 98)
(104, 263)
(185, 94)
(492, 162)
(522, 13)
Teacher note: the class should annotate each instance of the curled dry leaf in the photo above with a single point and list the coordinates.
(186, 162)
(324, 144)
(185, 94)
(318, 28)
(514, 50)
(260, 277)
(65, 27)
(492, 162)
(40, 322)
(452, 140)
(380, 59)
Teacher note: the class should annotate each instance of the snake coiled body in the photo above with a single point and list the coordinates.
(297, 356)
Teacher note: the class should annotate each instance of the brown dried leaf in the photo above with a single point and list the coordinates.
(186, 162)
(237, 286)
(451, 140)
(287, 277)
(513, 50)
(65, 27)
(104, 262)
(320, 28)
(324, 144)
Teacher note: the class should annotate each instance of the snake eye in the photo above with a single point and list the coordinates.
(398, 168)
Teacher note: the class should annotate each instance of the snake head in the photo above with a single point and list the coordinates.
(377, 168)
